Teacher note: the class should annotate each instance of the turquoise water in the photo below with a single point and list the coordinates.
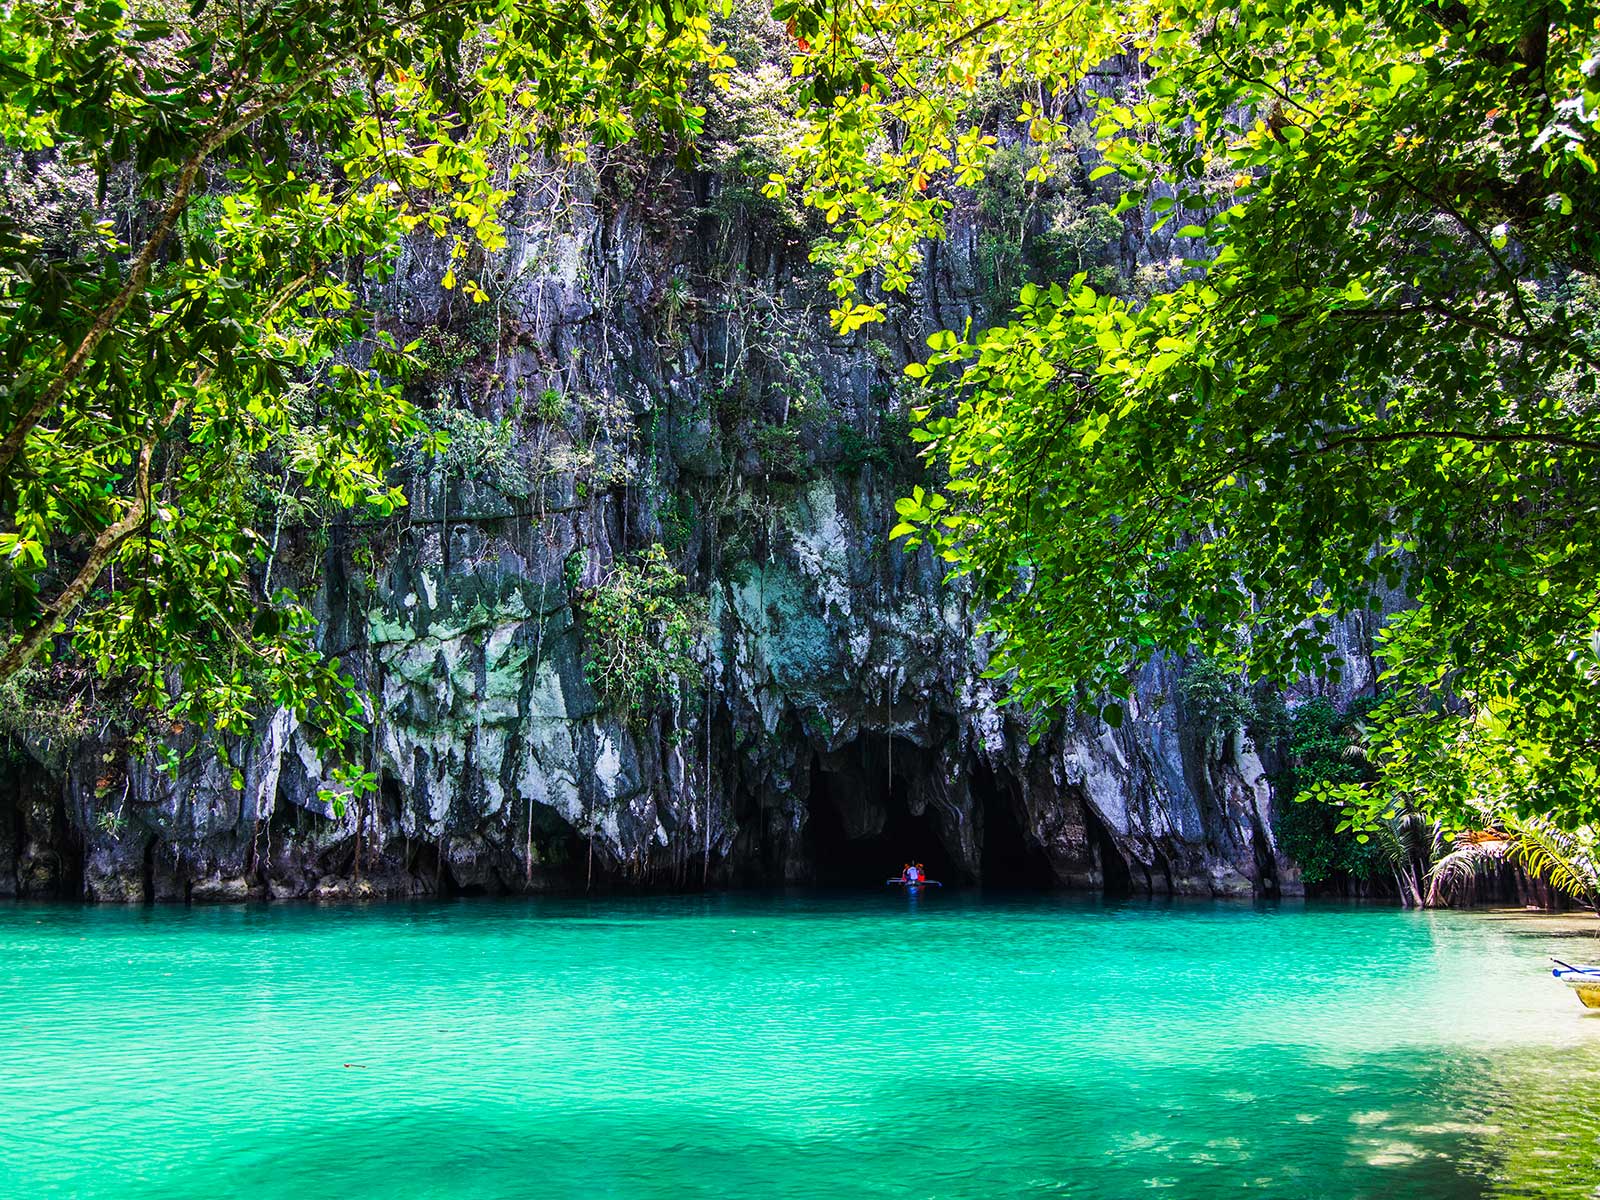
(791, 1046)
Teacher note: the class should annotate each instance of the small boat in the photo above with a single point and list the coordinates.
(1583, 980)
(913, 887)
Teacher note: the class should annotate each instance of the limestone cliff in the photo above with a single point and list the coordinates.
(656, 366)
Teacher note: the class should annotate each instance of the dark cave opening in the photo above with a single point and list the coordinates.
(41, 850)
(866, 860)
(391, 798)
(561, 849)
(1266, 863)
(147, 870)
(1116, 878)
(427, 865)
(13, 836)
(283, 822)
(1007, 860)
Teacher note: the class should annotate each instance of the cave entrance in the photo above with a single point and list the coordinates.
(391, 799)
(1266, 863)
(862, 860)
(1009, 859)
(1115, 877)
(41, 851)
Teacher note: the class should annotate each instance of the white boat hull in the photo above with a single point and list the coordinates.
(1585, 982)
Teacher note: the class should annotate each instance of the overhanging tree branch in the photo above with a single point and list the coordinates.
(17, 436)
(27, 646)
(1563, 440)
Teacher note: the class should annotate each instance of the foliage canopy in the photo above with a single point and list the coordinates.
(1370, 388)
(248, 173)
(1373, 389)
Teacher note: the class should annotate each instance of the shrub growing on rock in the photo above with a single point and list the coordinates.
(640, 630)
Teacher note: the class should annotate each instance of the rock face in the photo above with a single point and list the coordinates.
(658, 369)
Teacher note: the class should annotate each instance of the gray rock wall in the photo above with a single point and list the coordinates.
(840, 723)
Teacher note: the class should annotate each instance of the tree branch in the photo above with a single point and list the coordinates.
(13, 442)
(1565, 441)
(11, 445)
(23, 651)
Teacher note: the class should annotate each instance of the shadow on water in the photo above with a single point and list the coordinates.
(1279, 1125)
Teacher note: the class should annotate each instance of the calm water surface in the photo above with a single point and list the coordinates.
(791, 1046)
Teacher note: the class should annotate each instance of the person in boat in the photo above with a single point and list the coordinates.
(912, 873)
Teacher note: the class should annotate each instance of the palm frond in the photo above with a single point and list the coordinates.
(1390, 848)
(1554, 855)
(1409, 836)
(1467, 862)
(1355, 749)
